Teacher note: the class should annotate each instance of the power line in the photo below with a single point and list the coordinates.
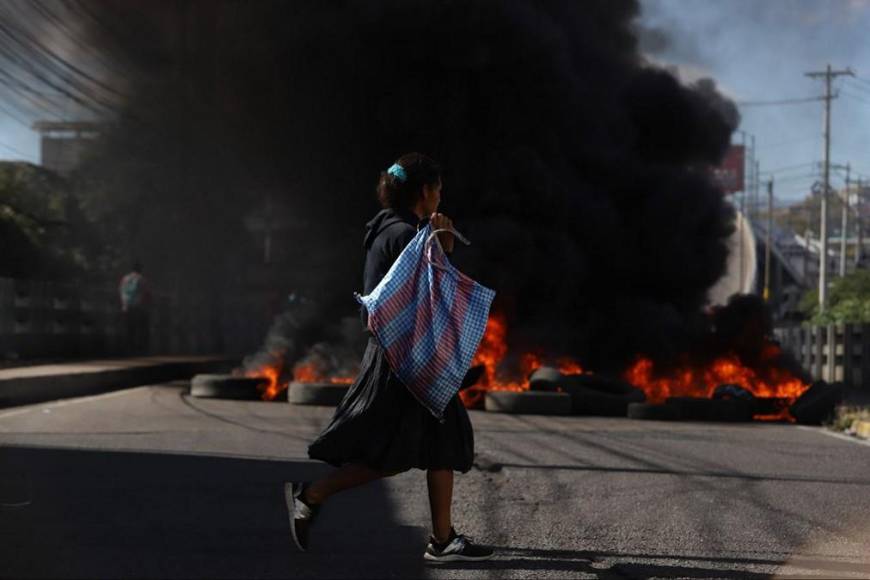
(16, 151)
(780, 102)
(858, 87)
(61, 23)
(789, 142)
(861, 80)
(31, 41)
(856, 97)
(789, 167)
(29, 63)
(798, 178)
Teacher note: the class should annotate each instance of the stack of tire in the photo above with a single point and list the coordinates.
(227, 387)
(695, 409)
(552, 393)
(730, 403)
(818, 403)
(322, 394)
(251, 389)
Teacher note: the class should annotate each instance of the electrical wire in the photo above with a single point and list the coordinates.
(16, 151)
(789, 142)
(861, 80)
(32, 41)
(857, 97)
(862, 88)
(788, 168)
(28, 65)
(794, 101)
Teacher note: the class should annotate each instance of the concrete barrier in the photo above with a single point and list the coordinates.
(33, 384)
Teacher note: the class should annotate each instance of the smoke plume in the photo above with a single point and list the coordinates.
(578, 171)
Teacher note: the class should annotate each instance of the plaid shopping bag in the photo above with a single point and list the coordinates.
(429, 318)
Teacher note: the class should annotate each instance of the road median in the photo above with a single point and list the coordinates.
(33, 384)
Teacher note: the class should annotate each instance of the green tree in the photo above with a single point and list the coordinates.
(848, 301)
(42, 232)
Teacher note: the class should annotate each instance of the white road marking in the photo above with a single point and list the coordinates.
(47, 407)
(826, 431)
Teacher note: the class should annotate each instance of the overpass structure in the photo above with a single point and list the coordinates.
(794, 266)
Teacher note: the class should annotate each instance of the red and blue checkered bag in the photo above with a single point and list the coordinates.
(429, 318)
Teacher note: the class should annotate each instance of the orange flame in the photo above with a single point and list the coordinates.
(274, 386)
(687, 381)
(492, 350)
(306, 373)
(302, 373)
(694, 382)
(309, 373)
(569, 367)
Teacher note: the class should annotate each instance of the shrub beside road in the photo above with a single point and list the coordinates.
(852, 420)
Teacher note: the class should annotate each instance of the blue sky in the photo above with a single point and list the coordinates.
(17, 139)
(759, 50)
(756, 50)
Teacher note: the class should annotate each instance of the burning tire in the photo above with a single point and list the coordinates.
(528, 402)
(227, 387)
(817, 403)
(327, 394)
(717, 410)
(650, 412)
(545, 379)
(593, 395)
(603, 384)
(591, 402)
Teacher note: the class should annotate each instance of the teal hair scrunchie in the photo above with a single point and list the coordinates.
(398, 172)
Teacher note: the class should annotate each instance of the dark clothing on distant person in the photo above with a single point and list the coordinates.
(137, 323)
(379, 423)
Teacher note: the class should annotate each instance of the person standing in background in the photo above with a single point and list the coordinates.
(135, 304)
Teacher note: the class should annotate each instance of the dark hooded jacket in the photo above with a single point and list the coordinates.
(387, 234)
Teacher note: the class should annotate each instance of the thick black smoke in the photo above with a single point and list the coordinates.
(579, 173)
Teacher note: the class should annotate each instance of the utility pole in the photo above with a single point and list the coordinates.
(859, 247)
(756, 184)
(742, 215)
(767, 253)
(751, 179)
(828, 75)
(844, 220)
(844, 225)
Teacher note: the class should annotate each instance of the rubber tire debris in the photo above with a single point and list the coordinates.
(226, 387)
(714, 410)
(817, 403)
(651, 412)
(545, 379)
(326, 394)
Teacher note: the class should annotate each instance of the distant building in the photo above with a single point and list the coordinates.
(63, 143)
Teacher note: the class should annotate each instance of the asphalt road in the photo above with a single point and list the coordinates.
(148, 482)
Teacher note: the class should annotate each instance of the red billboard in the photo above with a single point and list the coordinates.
(729, 174)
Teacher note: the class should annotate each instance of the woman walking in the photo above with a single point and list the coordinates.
(380, 429)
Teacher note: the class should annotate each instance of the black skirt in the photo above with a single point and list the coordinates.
(380, 424)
